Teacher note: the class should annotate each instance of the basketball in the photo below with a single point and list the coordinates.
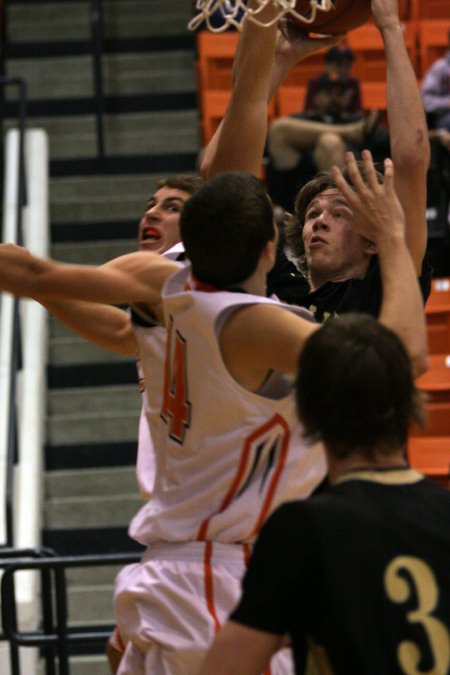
(345, 15)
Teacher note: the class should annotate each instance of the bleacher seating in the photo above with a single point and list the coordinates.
(370, 61)
(428, 9)
(426, 24)
(432, 40)
(290, 99)
(437, 311)
(429, 448)
(215, 59)
(436, 385)
(431, 456)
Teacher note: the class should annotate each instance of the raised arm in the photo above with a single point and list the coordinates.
(136, 277)
(378, 216)
(410, 147)
(263, 58)
(105, 326)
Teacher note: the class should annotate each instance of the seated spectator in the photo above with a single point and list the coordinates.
(357, 575)
(338, 62)
(436, 100)
(304, 143)
(436, 91)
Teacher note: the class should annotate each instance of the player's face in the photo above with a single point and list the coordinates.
(334, 252)
(159, 227)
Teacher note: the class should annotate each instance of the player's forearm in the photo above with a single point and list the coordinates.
(254, 58)
(407, 122)
(104, 326)
(402, 307)
(409, 140)
(135, 277)
(239, 142)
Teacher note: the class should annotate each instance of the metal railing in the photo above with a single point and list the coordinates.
(7, 557)
(54, 635)
(11, 413)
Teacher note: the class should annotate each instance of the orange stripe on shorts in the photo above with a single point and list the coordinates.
(209, 585)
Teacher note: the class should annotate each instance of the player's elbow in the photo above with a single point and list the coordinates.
(124, 342)
(413, 157)
(419, 362)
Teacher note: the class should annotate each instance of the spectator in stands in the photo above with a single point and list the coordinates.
(436, 100)
(338, 63)
(333, 283)
(357, 575)
(436, 94)
(301, 144)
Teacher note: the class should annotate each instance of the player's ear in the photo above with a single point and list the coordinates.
(370, 248)
(270, 252)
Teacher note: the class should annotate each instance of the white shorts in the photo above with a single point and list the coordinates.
(170, 606)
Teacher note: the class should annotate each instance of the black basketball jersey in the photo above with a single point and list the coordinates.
(335, 297)
(361, 573)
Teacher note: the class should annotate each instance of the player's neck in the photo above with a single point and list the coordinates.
(256, 283)
(338, 467)
(318, 277)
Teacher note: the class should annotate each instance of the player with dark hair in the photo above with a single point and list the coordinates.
(116, 330)
(345, 274)
(228, 450)
(357, 575)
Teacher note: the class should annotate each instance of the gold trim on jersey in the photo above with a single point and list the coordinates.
(385, 476)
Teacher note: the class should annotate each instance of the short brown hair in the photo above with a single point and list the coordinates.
(189, 184)
(355, 389)
(225, 226)
(294, 225)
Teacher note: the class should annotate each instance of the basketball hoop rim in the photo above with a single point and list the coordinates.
(233, 12)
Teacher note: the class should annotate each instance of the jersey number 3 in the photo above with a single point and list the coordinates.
(176, 409)
(406, 577)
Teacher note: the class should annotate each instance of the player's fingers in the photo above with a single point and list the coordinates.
(353, 172)
(343, 186)
(369, 169)
(388, 174)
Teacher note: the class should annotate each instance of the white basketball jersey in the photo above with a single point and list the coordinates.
(145, 461)
(225, 457)
(156, 337)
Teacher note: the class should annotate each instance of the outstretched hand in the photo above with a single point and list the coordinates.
(294, 43)
(376, 207)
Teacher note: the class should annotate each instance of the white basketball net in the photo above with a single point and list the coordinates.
(229, 13)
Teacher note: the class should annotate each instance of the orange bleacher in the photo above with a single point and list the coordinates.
(437, 311)
(428, 9)
(433, 40)
(214, 67)
(370, 61)
(215, 59)
(436, 385)
(290, 99)
(431, 456)
(426, 25)
(429, 448)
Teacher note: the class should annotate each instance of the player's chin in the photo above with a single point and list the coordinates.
(150, 245)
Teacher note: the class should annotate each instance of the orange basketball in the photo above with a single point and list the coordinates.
(345, 15)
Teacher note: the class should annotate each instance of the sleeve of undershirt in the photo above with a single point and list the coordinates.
(275, 585)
